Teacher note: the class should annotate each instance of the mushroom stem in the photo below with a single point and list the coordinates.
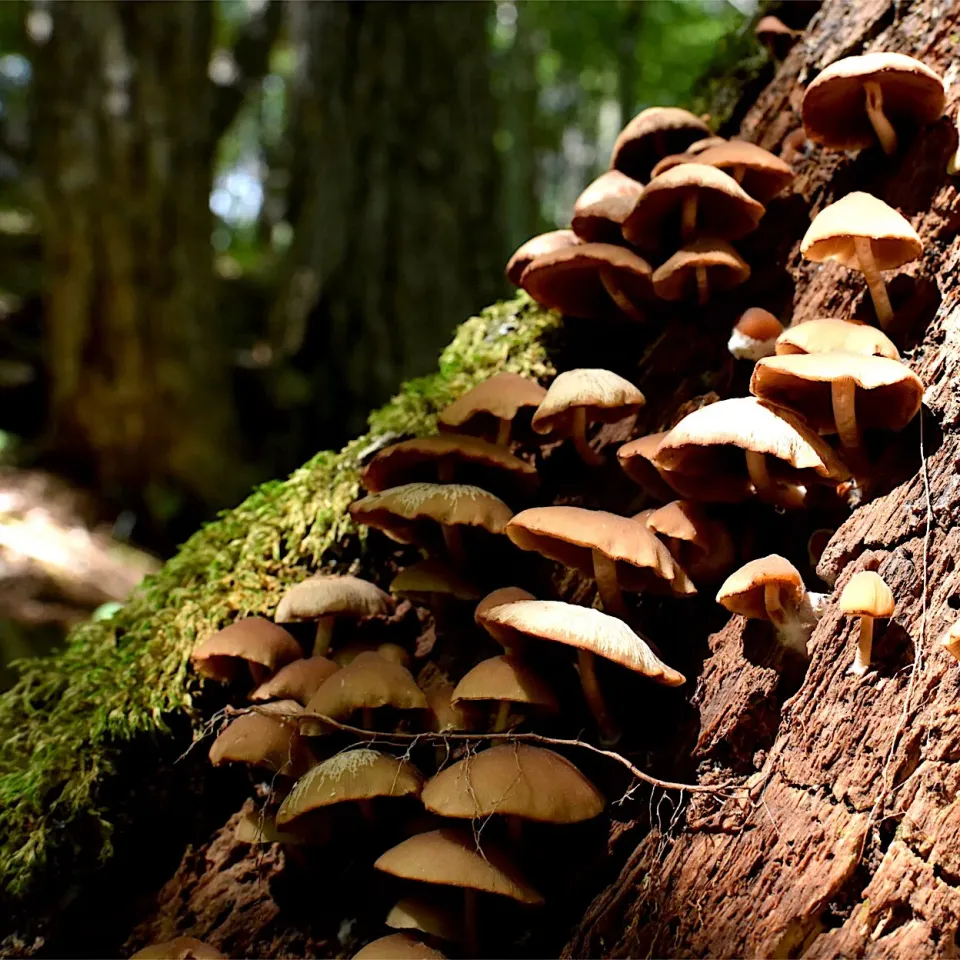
(760, 474)
(579, 434)
(871, 273)
(773, 604)
(503, 717)
(503, 432)
(861, 663)
(703, 285)
(688, 219)
(738, 171)
(843, 395)
(878, 119)
(323, 637)
(605, 573)
(624, 304)
(454, 541)
(470, 922)
(366, 718)
(609, 731)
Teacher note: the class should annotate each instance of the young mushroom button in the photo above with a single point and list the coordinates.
(868, 597)
(755, 335)
(653, 134)
(836, 336)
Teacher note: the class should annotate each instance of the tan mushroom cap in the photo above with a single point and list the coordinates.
(763, 175)
(367, 683)
(693, 151)
(498, 596)
(401, 512)
(256, 827)
(604, 395)
(507, 680)
(772, 27)
(583, 628)
(642, 449)
(332, 595)
(418, 913)
(360, 774)
(652, 134)
(867, 595)
(676, 279)
(514, 780)
(398, 946)
(834, 105)
(450, 857)
(888, 394)
(826, 335)
(569, 535)
(705, 546)
(181, 948)
(571, 279)
(259, 740)
(724, 209)
(444, 714)
(832, 234)
(298, 681)
(950, 639)
(537, 247)
(603, 206)
(743, 591)
(263, 645)
(501, 396)
(432, 576)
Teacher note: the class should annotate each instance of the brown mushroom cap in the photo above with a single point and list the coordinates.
(950, 640)
(437, 688)
(693, 151)
(606, 397)
(867, 595)
(265, 741)
(332, 595)
(569, 535)
(571, 279)
(398, 946)
(257, 827)
(888, 394)
(181, 948)
(832, 234)
(676, 279)
(834, 111)
(764, 174)
(253, 640)
(704, 545)
(360, 774)
(829, 336)
(498, 596)
(514, 780)
(537, 247)
(724, 209)
(652, 134)
(418, 913)
(298, 681)
(402, 512)
(583, 628)
(507, 680)
(499, 397)
(432, 576)
(603, 206)
(450, 857)
(772, 27)
(743, 591)
(755, 334)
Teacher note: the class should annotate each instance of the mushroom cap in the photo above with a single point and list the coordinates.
(701, 444)
(867, 595)
(604, 205)
(569, 535)
(711, 550)
(724, 209)
(536, 247)
(508, 680)
(418, 913)
(950, 639)
(181, 948)
(367, 682)
(501, 396)
(676, 278)
(498, 596)
(834, 106)
(400, 512)
(432, 576)
(765, 174)
(514, 779)
(450, 857)
(651, 134)
(253, 640)
(888, 394)
(265, 741)
(698, 146)
(256, 827)
(642, 449)
(298, 681)
(360, 774)
(338, 594)
(444, 714)
(755, 334)
(693, 151)
(605, 395)
(772, 27)
(586, 629)
(828, 336)
(833, 231)
(743, 591)
(398, 946)
(570, 279)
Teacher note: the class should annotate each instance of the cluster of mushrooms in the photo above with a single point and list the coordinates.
(658, 226)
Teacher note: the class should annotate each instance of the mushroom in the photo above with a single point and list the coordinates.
(781, 454)
(864, 234)
(452, 857)
(653, 134)
(579, 397)
(755, 335)
(794, 146)
(590, 280)
(950, 641)
(693, 151)
(180, 948)
(619, 553)
(433, 583)
(264, 740)
(260, 645)
(445, 715)
(537, 247)
(842, 392)
(593, 634)
(700, 268)
(771, 588)
(603, 206)
(689, 201)
(491, 407)
(836, 336)
(326, 599)
(701, 545)
(860, 100)
(762, 174)
(866, 596)
(507, 681)
(494, 599)
(256, 827)
(636, 461)
(775, 36)
(418, 913)
(298, 681)
(398, 946)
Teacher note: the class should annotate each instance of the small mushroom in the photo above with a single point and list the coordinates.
(577, 398)
(636, 461)
(505, 680)
(256, 827)
(950, 641)
(836, 336)
(653, 134)
(775, 36)
(762, 174)
(398, 946)
(755, 335)
(794, 146)
(259, 645)
(535, 247)
(863, 233)
(868, 597)
(263, 740)
(699, 269)
(181, 948)
(492, 406)
(419, 913)
(693, 151)
(435, 584)
(298, 681)
(701, 545)
(601, 209)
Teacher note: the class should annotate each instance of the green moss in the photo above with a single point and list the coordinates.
(65, 723)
